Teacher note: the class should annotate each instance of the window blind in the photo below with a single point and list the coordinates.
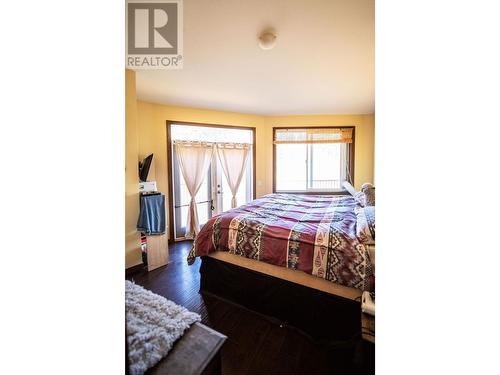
(313, 135)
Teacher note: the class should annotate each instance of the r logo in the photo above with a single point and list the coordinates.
(153, 28)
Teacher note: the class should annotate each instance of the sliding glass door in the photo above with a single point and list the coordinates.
(214, 196)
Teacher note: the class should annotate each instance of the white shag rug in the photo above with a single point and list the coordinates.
(153, 325)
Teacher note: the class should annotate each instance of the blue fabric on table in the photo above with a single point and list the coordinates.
(152, 214)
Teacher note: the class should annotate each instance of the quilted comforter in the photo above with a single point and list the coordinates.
(311, 233)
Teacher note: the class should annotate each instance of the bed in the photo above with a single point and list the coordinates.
(286, 250)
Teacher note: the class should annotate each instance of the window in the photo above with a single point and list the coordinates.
(315, 160)
(214, 195)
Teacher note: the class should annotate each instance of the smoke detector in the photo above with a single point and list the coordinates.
(267, 39)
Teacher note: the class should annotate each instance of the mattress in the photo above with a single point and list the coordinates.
(314, 234)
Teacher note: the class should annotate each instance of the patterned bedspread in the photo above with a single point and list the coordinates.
(312, 233)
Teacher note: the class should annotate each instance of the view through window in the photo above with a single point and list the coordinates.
(312, 160)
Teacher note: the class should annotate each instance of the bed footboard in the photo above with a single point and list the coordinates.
(322, 316)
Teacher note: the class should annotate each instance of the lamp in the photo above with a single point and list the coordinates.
(267, 39)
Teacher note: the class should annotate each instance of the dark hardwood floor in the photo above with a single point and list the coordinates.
(255, 345)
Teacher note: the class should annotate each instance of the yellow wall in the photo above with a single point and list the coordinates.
(152, 138)
(132, 238)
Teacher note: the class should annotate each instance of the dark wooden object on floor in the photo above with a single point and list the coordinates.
(196, 353)
(365, 351)
(368, 327)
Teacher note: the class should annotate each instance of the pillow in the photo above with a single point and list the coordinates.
(365, 225)
(366, 196)
(360, 198)
(369, 192)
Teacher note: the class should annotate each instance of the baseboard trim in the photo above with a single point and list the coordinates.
(134, 269)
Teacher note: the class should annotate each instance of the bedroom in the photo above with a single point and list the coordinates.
(232, 133)
(250, 156)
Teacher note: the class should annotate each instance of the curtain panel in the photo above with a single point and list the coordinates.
(233, 158)
(194, 160)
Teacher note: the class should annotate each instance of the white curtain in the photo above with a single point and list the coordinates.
(233, 158)
(194, 160)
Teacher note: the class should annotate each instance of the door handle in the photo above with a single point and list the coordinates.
(212, 205)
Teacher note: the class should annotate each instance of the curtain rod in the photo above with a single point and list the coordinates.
(213, 143)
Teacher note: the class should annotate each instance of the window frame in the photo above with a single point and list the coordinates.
(350, 160)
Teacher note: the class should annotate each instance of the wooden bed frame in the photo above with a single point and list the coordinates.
(322, 316)
(323, 310)
(293, 276)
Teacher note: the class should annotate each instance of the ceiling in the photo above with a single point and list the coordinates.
(323, 61)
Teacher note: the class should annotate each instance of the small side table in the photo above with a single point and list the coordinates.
(368, 327)
(364, 357)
